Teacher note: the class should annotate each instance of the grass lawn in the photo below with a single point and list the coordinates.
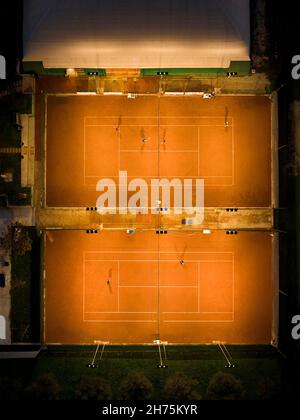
(68, 373)
(258, 368)
(25, 294)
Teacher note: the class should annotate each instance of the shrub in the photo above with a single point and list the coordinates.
(135, 387)
(93, 389)
(45, 388)
(181, 387)
(17, 239)
(224, 386)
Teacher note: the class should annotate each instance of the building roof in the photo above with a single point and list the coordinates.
(136, 33)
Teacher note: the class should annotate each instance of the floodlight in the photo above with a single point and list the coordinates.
(113, 93)
(86, 93)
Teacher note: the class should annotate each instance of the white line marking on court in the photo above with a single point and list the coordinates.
(134, 251)
(161, 117)
(118, 286)
(166, 176)
(84, 151)
(119, 147)
(171, 261)
(155, 125)
(233, 153)
(198, 280)
(214, 185)
(155, 286)
(120, 320)
(197, 313)
(197, 321)
(198, 153)
(233, 286)
(83, 291)
(157, 150)
(161, 287)
(121, 312)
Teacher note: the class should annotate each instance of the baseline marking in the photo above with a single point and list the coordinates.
(198, 262)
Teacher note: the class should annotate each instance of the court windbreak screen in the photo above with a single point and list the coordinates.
(136, 33)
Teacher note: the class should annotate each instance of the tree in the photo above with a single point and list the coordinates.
(45, 388)
(93, 389)
(224, 386)
(181, 387)
(135, 387)
(17, 240)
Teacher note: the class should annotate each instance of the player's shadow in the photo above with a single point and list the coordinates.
(109, 280)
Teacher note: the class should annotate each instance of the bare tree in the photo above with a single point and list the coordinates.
(17, 240)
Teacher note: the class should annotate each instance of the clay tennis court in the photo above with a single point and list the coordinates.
(225, 141)
(183, 288)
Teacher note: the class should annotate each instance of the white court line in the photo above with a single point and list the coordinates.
(83, 291)
(135, 251)
(155, 125)
(197, 313)
(137, 261)
(223, 185)
(233, 152)
(233, 286)
(157, 150)
(168, 313)
(198, 156)
(198, 295)
(155, 117)
(155, 287)
(166, 176)
(197, 321)
(119, 150)
(121, 312)
(84, 154)
(120, 321)
(118, 286)
(92, 185)
(161, 287)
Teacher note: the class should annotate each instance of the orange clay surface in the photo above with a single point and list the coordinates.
(90, 138)
(180, 287)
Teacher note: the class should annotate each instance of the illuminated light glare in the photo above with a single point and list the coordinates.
(194, 93)
(206, 232)
(174, 93)
(113, 93)
(71, 72)
(184, 94)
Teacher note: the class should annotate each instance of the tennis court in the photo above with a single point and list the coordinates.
(180, 287)
(225, 141)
